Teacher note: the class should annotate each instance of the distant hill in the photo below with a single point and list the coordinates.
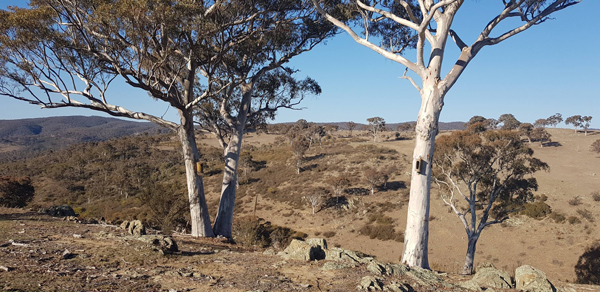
(27, 136)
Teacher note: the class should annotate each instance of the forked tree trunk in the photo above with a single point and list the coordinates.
(224, 220)
(200, 218)
(417, 224)
(470, 258)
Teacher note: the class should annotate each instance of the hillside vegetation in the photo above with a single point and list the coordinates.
(141, 177)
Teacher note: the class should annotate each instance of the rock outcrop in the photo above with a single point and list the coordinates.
(488, 277)
(60, 211)
(530, 279)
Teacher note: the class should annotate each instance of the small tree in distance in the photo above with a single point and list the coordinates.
(376, 125)
(373, 178)
(491, 171)
(555, 119)
(338, 184)
(351, 126)
(509, 122)
(299, 147)
(15, 192)
(575, 120)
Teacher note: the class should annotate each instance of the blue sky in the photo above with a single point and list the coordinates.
(553, 67)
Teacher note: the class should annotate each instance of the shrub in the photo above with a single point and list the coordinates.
(588, 265)
(596, 196)
(381, 232)
(329, 234)
(558, 217)
(586, 214)
(573, 220)
(575, 201)
(536, 210)
(595, 147)
(15, 192)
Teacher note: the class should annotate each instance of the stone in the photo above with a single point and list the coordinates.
(125, 225)
(336, 266)
(269, 251)
(166, 244)
(395, 287)
(530, 279)
(303, 250)
(376, 268)
(61, 211)
(426, 277)
(136, 228)
(489, 277)
(370, 283)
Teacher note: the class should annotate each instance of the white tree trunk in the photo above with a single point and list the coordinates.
(416, 233)
(200, 218)
(224, 221)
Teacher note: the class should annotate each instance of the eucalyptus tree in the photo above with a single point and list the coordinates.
(68, 53)
(390, 28)
(492, 172)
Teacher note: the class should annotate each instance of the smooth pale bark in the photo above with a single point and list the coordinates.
(416, 234)
(224, 221)
(200, 218)
(470, 258)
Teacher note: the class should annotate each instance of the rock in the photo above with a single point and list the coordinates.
(426, 277)
(6, 269)
(68, 255)
(376, 268)
(304, 250)
(397, 269)
(489, 277)
(136, 228)
(269, 251)
(166, 244)
(370, 283)
(125, 225)
(317, 242)
(395, 287)
(530, 279)
(336, 266)
(60, 211)
(348, 256)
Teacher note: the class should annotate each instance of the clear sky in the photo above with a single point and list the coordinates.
(553, 67)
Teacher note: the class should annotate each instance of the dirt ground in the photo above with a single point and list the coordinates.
(41, 253)
(547, 245)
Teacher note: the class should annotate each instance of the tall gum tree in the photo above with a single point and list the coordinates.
(68, 53)
(255, 80)
(391, 27)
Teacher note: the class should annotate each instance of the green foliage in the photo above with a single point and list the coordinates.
(256, 232)
(595, 147)
(558, 217)
(588, 265)
(15, 192)
(575, 201)
(595, 196)
(381, 227)
(536, 210)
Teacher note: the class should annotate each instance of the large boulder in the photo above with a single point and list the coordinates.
(311, 249)
(530, 279)
(489, 277)
(136, 228)
(164, 244)
(60, 211)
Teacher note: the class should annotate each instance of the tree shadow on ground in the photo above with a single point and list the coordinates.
(335, 202)
(392, 186)
(552, 144)
(315, 157)
(357, 191)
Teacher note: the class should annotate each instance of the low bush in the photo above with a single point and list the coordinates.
(329, 234)
(15, 192)
(573, 220)
(558, 217)
(575, 201)
(256, 232)
(588, 265)
(381, 232)
(586, 214)
(595, 196)
(537, 210)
